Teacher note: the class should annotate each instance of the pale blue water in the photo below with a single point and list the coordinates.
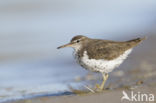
(30, 32)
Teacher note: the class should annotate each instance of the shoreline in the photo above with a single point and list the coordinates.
(111, 96)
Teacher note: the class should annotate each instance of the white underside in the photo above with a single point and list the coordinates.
(104, 66)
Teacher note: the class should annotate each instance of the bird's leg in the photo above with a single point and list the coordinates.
(105, 77)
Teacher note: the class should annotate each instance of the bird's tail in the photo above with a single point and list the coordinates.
(136, 41)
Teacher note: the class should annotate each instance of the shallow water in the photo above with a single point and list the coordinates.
(31, 79)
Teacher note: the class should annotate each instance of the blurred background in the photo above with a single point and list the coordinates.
(31, 30)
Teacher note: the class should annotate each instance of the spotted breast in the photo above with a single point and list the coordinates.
(100, 65)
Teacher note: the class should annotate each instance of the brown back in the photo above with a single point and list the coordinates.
(108, 50)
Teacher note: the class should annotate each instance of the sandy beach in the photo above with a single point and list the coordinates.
(110, 96)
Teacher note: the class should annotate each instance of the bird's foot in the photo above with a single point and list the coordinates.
(98, 88)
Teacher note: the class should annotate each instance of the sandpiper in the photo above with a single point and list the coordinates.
(101, 55)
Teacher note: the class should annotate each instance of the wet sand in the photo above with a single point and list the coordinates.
(110, 96)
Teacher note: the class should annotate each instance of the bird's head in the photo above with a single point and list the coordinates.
(76, 42)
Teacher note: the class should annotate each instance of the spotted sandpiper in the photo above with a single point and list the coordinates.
(101, 55)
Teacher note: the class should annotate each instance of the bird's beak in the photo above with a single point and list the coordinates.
(67, 45)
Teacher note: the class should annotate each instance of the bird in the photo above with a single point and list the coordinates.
(99, 55)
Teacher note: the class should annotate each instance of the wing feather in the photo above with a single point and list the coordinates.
(108, 50)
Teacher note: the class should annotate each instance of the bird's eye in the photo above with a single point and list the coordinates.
(78, 41)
